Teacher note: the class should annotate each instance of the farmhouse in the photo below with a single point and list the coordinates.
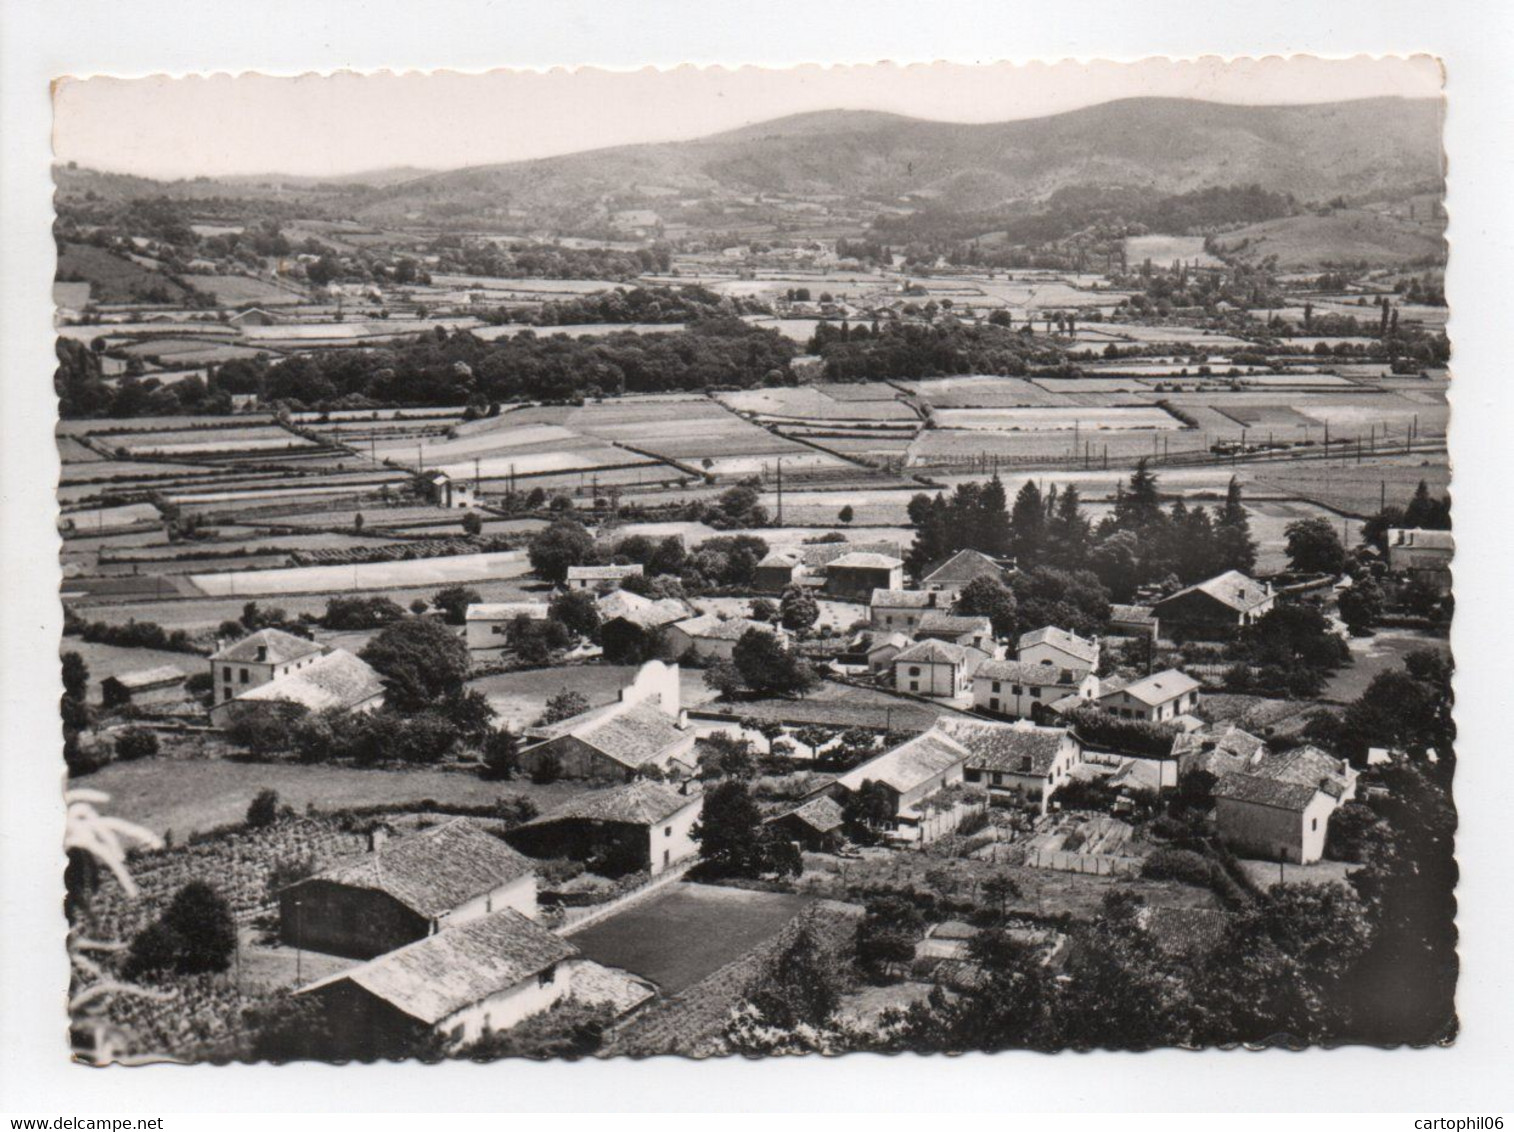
(1012, 687)
(951, 576)
(164, 684)
(1155, 699)
(1222, 604)
(814, 826)
(483, 977)
(855, 575)
(958, 629)
(336, 680)
(442, 490)
(710, 637)
(643, 612)
(895, 609)
(1423, 555)
(404, 889)
(1308, 766)
(775, 573)
(600, 577)
(1058, 647)
(1228, 750)
(1015, 759)
(642, 826)
(1271, 819)
(612, 742)
(258, 658)
(911, 772)
(488, 623)
(1134, 621)
(937, 669)
(875, 649)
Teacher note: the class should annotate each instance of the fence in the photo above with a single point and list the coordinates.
(571, 920)
(1091, 864)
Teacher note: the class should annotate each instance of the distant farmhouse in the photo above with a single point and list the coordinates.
(1158, 698)
(443, 491)
(1423, 555)
(600, 577)
(335, 679)
(487, 624)
(1222, 604)
(164, 684)
(1059, 648)
(641, 826)
(953, 575)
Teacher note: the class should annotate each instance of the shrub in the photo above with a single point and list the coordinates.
(264, 809)
(136, 743)
(547, 770)
(1178, 864)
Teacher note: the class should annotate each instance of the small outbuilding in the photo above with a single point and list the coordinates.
(164, 684)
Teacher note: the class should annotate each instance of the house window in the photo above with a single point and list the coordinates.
(226, 674)
(996, 685)
(914, 672)
(1313, 824)
(973, 775)
(1015, 689)
(547, 977)
(998, 779)
(914, 685)
(993, 704)
(1035, 693)
(244, 675)
(667, 831)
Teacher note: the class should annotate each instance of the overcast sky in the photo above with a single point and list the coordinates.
(346, 123)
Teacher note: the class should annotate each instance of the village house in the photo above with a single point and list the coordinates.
(958, 629)
(1219, 751)
(254, 316)
(710, 637)
(776, 572)
(1423, 555)
(1158, 698)
(483, 977)
(1013, 687)
(1307, 766)
(600, 577)
(404, 889)
(911, 773)
(258, 658)
(1015, 760)
(855, 575)
(487, 624)
(642, 826)
(937, 669)
(1058, 647)
(161, 685)
(875, 649)
(952, 576)
(443, 491)
(1134, 621)
(1221, 604)
(1271, 819)
(902, 610)
(336, 680)
(611, 743)
(629, 623)
(814, 826)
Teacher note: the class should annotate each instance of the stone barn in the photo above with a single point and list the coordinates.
(641, 826)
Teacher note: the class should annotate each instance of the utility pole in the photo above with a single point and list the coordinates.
(780, 491)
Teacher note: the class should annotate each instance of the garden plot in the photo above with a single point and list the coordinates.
(1062, 418)
(186, 352)
(249, 495)
(1267, 417)
(254, 438)
(1065, 385)
(96, 519)
(704, 434)
(74, 451)
(365, 575)
(1044, 294)
(980, 391)
(234, 290)
(112, 426)
(1385, 413)
(807, 402)
(936, 447)
(869, 508)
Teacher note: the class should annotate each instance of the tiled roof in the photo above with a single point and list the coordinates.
(642, 802)
(636, 735)
(649, 613)
(148, 677)
(864, 560)
(336, 680)
(1070, 643)
(909, 764)
(954, 624)
(507, 610)
(1264, 791)
(1225, 750)
(904, 599)
(436, 977)
(1231, 588)
(281, 646)
(963, 567)
(1306, 766)
(603, 573)
(821, 814)
(1020, 672)
(941, 652)
(1131, 614)
(824, 553)
(1005, 746)
(1158, 688)
(435, 870)
(709, 627)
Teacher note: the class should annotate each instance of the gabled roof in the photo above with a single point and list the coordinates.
(1225, 750)
(1232, 588)
(933, 651)
(1131, 614)
(1158, 688)
(336, 680)
(954, 624)
(1021, 672)
(1264, 792)
(865, 560)
(963, 567)
(904, 599)
(1070, 643)
(779, 558)
(282, 647)
(642, 802)
(507, 610)
(872, 640)
(433, 871)
(603, 573)
(648, 613)
(823, 553)
(638, 734)
(908, 765)
(821, 814)
(1006, 746)
(1306, 766)
(147, 678)
(436, 977)
(708, 627)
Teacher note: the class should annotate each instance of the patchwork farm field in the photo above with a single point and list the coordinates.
(1056, 419)
(362, 576)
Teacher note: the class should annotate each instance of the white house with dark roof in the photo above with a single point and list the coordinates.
(1050, 645)
(1224, 603)
(1271, 819)
(937, 669)
(444, 491)
(1013, 687)
(1015, 760)
(911, 772)
(336, 680)
(1158, 698)
(899, 610)
(406, 888)
(257, 659)
(600, 577)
